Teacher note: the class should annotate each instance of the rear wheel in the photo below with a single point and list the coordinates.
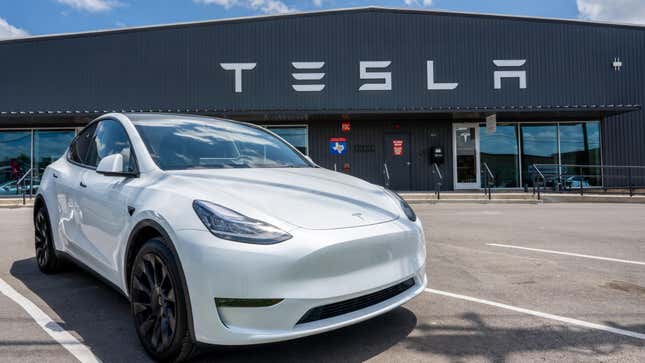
(158, 304)
(46, 257)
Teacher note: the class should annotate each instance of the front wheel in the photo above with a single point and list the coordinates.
(158, 304)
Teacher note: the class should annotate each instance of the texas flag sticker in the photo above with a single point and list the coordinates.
(337, 146)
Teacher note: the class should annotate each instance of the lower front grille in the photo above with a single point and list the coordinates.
(357, 303)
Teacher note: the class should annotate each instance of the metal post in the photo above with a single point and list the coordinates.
(31, 183)
(582, 179)
(629, 177)
(387, 175)
(438, 190)
(536, 186)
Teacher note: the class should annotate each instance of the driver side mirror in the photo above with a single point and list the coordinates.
(112, 165)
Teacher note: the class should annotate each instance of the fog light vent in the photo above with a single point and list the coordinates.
(245, 303)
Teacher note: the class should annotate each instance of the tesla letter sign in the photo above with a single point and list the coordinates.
(310, 76)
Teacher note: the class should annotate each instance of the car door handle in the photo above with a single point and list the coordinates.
(55, 175)
(82, 185)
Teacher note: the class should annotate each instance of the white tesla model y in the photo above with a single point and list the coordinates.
(220, 232)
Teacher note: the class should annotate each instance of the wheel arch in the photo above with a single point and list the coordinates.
(39, 202)
(142, 232)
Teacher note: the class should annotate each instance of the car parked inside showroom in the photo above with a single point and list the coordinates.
(220, 232)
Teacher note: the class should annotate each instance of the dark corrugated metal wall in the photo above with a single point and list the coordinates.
(369, 165)
(567, 64)
(177, 68)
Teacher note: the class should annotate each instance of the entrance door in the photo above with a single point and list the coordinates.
(466, 156)
(397, 158)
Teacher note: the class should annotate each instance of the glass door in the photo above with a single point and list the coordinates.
(466, 156)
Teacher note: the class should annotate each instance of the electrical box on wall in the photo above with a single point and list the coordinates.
(437, 155)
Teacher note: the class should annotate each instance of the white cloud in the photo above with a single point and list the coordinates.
(318, 3)
(93, 6)
(8, 31)
(424, 3)
(264, 6)
(631, 11)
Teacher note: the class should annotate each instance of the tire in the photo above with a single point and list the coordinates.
(158, 304)
(46, 258)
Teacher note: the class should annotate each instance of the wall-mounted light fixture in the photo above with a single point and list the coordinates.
(617, 64)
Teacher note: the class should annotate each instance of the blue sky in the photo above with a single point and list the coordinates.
(35, 17)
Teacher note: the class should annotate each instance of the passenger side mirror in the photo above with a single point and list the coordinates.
(112, 165)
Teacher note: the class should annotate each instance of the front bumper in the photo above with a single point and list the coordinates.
(312, 269)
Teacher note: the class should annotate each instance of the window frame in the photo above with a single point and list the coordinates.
(71, 144)
(283, 126)
(135, 173)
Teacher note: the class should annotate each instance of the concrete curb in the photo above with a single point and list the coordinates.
(473, 201)
(593, 199)
(517, 198)
(15, 203)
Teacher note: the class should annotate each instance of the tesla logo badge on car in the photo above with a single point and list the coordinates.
(397, 147)
(338, 145)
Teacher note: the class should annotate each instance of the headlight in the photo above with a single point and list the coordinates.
(404, 205)
(228, 224)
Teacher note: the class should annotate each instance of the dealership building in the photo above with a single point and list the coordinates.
(425, 95)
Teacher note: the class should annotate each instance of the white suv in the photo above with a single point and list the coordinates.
(222, 233)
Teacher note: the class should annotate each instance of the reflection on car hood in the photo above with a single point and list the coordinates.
(312, 198)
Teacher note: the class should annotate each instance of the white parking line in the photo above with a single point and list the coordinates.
(567, 254)
(64, 338)
(542, 315)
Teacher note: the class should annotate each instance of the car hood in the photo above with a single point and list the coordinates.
(311, 198)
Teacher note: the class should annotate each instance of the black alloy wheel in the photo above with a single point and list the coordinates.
(45, 251)
(157, 302)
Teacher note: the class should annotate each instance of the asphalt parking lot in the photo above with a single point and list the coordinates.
(507, 283)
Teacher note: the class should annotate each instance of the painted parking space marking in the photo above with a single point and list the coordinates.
(567, 254)
(60, 335)
(563, 319)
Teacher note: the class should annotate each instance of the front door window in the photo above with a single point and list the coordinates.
(466, 156)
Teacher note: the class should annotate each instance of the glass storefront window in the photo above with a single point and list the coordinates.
(16, 156)
(539, 146)
(48, 147)
(580, 145)
(565, 143)
(15, 159)
(295, 135)
(500, 152)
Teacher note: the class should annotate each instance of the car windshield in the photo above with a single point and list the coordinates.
(184, 143)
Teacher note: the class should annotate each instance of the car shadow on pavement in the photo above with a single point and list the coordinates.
(474, 339)
(101, 317)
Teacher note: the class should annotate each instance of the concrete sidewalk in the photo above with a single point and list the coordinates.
(517, 198)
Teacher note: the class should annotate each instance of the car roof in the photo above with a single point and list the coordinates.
(151, 116)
